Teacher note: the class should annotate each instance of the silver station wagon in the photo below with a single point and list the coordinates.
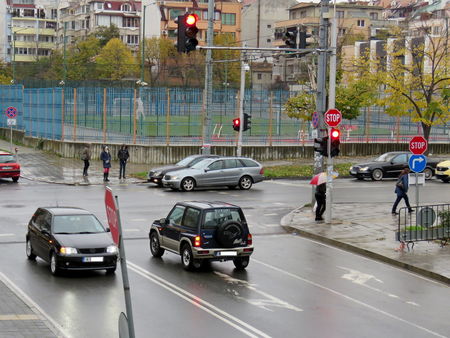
(231, 172)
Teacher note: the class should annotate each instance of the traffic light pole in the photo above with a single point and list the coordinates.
(241, 106)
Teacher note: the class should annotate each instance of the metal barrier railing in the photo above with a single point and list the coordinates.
(424, 223)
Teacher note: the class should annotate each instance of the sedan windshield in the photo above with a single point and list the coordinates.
(76, 224)
(186, 161)
(385, 157)
(7, 159)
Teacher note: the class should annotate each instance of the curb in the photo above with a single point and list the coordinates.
(363, 252)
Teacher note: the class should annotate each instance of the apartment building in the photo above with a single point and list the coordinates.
(78, 19)
(30, 29)
(227, 16)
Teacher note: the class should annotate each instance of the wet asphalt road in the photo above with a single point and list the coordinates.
(292, 287)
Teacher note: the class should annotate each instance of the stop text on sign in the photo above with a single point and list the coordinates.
(333, 117)
(418, 145)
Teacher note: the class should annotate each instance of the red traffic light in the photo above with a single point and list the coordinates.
(335, 134)
(191, 19)
(236, 124)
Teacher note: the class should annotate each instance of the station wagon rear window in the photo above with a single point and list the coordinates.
(248, 163)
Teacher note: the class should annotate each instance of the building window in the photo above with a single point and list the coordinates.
(132, 39)
(259, 76)
(436, 30)
(171, 33)
(229, 19)
(342, 31)
(99, 5)
(373, 16)
(125, 8)
(303, 14)
(339, 14)
(130, 22)
(360, 23)
(28, 12)
(269, 40)
(175, 12)
(269, 26)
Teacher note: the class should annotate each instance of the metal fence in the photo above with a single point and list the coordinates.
(424, 223)
(152, 115)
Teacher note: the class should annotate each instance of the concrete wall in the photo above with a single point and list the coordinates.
(155, 154)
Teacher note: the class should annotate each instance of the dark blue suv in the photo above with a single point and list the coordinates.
(202, 231)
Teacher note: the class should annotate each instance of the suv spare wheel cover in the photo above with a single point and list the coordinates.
(229, 234)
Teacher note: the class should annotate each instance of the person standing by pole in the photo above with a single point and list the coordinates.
(86, 157)
(123, 156)
(321, 199)
(105, 156)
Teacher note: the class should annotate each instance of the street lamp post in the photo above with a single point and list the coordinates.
(143, 44)
(14, 58)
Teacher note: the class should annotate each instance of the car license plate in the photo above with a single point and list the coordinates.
(92, 259)
(226, 253)
(6, 168)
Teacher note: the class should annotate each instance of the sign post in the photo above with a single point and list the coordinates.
(11, 113)
(333, 118)
(113, 215)
(417, 162)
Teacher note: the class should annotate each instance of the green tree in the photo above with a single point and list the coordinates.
(104, 34)
(228, 71)
(5, 73)
(81, 59)
(158, 53)
(115, 61)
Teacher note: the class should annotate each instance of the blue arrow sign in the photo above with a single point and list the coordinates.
(417, 163)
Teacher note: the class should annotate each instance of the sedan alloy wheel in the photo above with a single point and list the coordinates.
(29, 251)
(187, 184)
(377, 175)
(245, 182)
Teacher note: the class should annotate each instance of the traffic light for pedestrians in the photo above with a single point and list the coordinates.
(321, 145)
(247, 122)
(237, 124)
(290, 38)
(335, 142)
(187, 32)
(302, 40)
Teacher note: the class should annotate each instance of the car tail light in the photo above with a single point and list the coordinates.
(249, 239)
(261, 172)
(197, 241)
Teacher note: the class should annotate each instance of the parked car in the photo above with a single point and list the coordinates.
(155, 175)
(443, 171)
(389, 165)
(9, 168)
(225, 171)
(203, 231)
(70, 239)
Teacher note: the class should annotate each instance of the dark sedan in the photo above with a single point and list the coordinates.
(70, 239)
(155, 175)
(389, 165)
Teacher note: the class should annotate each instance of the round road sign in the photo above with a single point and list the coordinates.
(333, 117)
(418, 145)
(315, 120)
(11, 112)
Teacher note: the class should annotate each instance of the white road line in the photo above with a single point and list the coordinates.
(349, 298)
(238, 324)
(131, 230)
(272, 214)
(6, 235)
(138, 220)
(54, 327)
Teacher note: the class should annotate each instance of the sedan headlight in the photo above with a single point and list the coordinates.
(111, 249)
(364, 168)
(67, 250)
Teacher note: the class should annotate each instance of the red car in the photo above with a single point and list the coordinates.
(9, 168)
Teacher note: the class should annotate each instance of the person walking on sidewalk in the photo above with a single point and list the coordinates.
(123, 156)
(105, 156)
(321, 192)
(401, 189)
(86, 157)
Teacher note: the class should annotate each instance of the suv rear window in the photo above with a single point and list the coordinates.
(217, 216)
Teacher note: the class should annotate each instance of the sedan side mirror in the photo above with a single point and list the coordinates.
(206, 170)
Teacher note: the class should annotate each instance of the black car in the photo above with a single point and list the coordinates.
(155, 175)
(70, 239)
(389, 165)
(203, 231)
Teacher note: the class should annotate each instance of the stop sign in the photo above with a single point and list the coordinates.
(418, 145)
(333, 117)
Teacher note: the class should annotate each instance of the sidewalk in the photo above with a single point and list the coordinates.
(369, 230)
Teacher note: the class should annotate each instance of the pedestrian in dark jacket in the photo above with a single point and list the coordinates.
(321, 192)
(401, 189)
(105, 156)
(86, 157)
(123, 156)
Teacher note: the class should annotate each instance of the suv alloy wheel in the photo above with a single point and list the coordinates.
(187, 259)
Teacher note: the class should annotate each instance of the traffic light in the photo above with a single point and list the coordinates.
(187, 32)
(247, 122)
(335, 142)
(236, 124)
(321, 145)
(302, 40)
(290, 38)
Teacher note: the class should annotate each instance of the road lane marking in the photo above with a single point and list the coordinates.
(272, 214)
(361, 278)
(262, 303)
(238, 324)
(138, 220)
(348, 298)
(54, 326)
(131, 230)
(19, 317)
(6, 235)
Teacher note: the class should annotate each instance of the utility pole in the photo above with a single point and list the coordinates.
(143, 45)
(206, 148)
(241, 105)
